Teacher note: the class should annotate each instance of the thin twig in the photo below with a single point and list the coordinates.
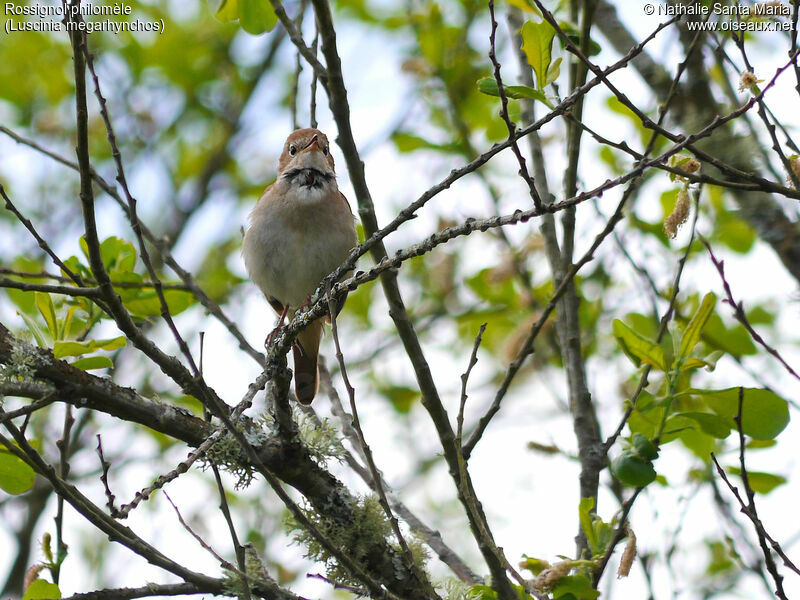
(473, 360)
(226, 564)
(63, 445)
(619, 534)
(161, 245)
(146, 591)
(367, 453)
(431, 537)
(66, 290)
(749, 509)
(134, 218)
(47, 399)
(512, 128)
(226, 513)
(123, 535)
(39, 239)
(117, 284)
(739, 313)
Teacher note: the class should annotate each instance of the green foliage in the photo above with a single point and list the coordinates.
(760, 482)
(632, 469)
(729, 229)
(598, 533)
(407, 142)
(764, 413)
(691, 335)
(402, 397)
(40, 589)
(488, 85)
(255, 16)
(537, 44)
(16, 476)
(574, 36)
(721, 559)
(697, 417)
(616, 106)
(71, 348)
(486, 592)
(638, 348)
(138, 296)
(183, 92)
(577, 587)
(61, 329)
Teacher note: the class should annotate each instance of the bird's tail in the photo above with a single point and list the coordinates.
(306, 376)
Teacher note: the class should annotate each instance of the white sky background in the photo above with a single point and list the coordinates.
(531, 500)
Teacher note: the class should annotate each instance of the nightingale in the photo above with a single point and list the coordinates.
(300, 230)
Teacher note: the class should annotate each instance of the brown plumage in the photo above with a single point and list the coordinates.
(301, 229)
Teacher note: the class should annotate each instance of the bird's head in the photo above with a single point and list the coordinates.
(306, 159)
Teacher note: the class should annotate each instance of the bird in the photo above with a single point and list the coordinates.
(300, 230)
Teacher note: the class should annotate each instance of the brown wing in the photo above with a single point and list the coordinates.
(343, 197)
(339, 302)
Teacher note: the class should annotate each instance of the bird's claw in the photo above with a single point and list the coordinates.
(272, 335)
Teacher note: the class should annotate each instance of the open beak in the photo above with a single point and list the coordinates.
(313, 144)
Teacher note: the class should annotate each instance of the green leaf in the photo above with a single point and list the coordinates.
(482, 592)
(760, 444)
(535, 565)
(644, 447)
(117, 254)
(16, 477)
(553, 71)
(574, 35)
(40, 589)
(633, 470)
(638, 348)
(93, 362)
(700, 443)
(537, 44)
(256, 16)
(62, 349)
(228, 11)
(488, 86)
(694, 329)
(524, 5)
(402, 398)
(34, 329)
(735, 233)
(709, 362)
(735, 341)
(579, 586)
(764, 413)
(147, 304)
(65, 324)
(407, 142)
(585, 516)
(48, 310)
(709, 423)
(762, 483)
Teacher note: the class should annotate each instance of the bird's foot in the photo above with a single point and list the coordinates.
(274, 333)
(305, 305)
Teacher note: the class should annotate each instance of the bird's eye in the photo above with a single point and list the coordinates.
(325, 150)
(292, 150)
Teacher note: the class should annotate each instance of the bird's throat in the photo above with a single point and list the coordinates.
(308, 178)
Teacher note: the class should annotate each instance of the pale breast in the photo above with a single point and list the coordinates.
(292, 245)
